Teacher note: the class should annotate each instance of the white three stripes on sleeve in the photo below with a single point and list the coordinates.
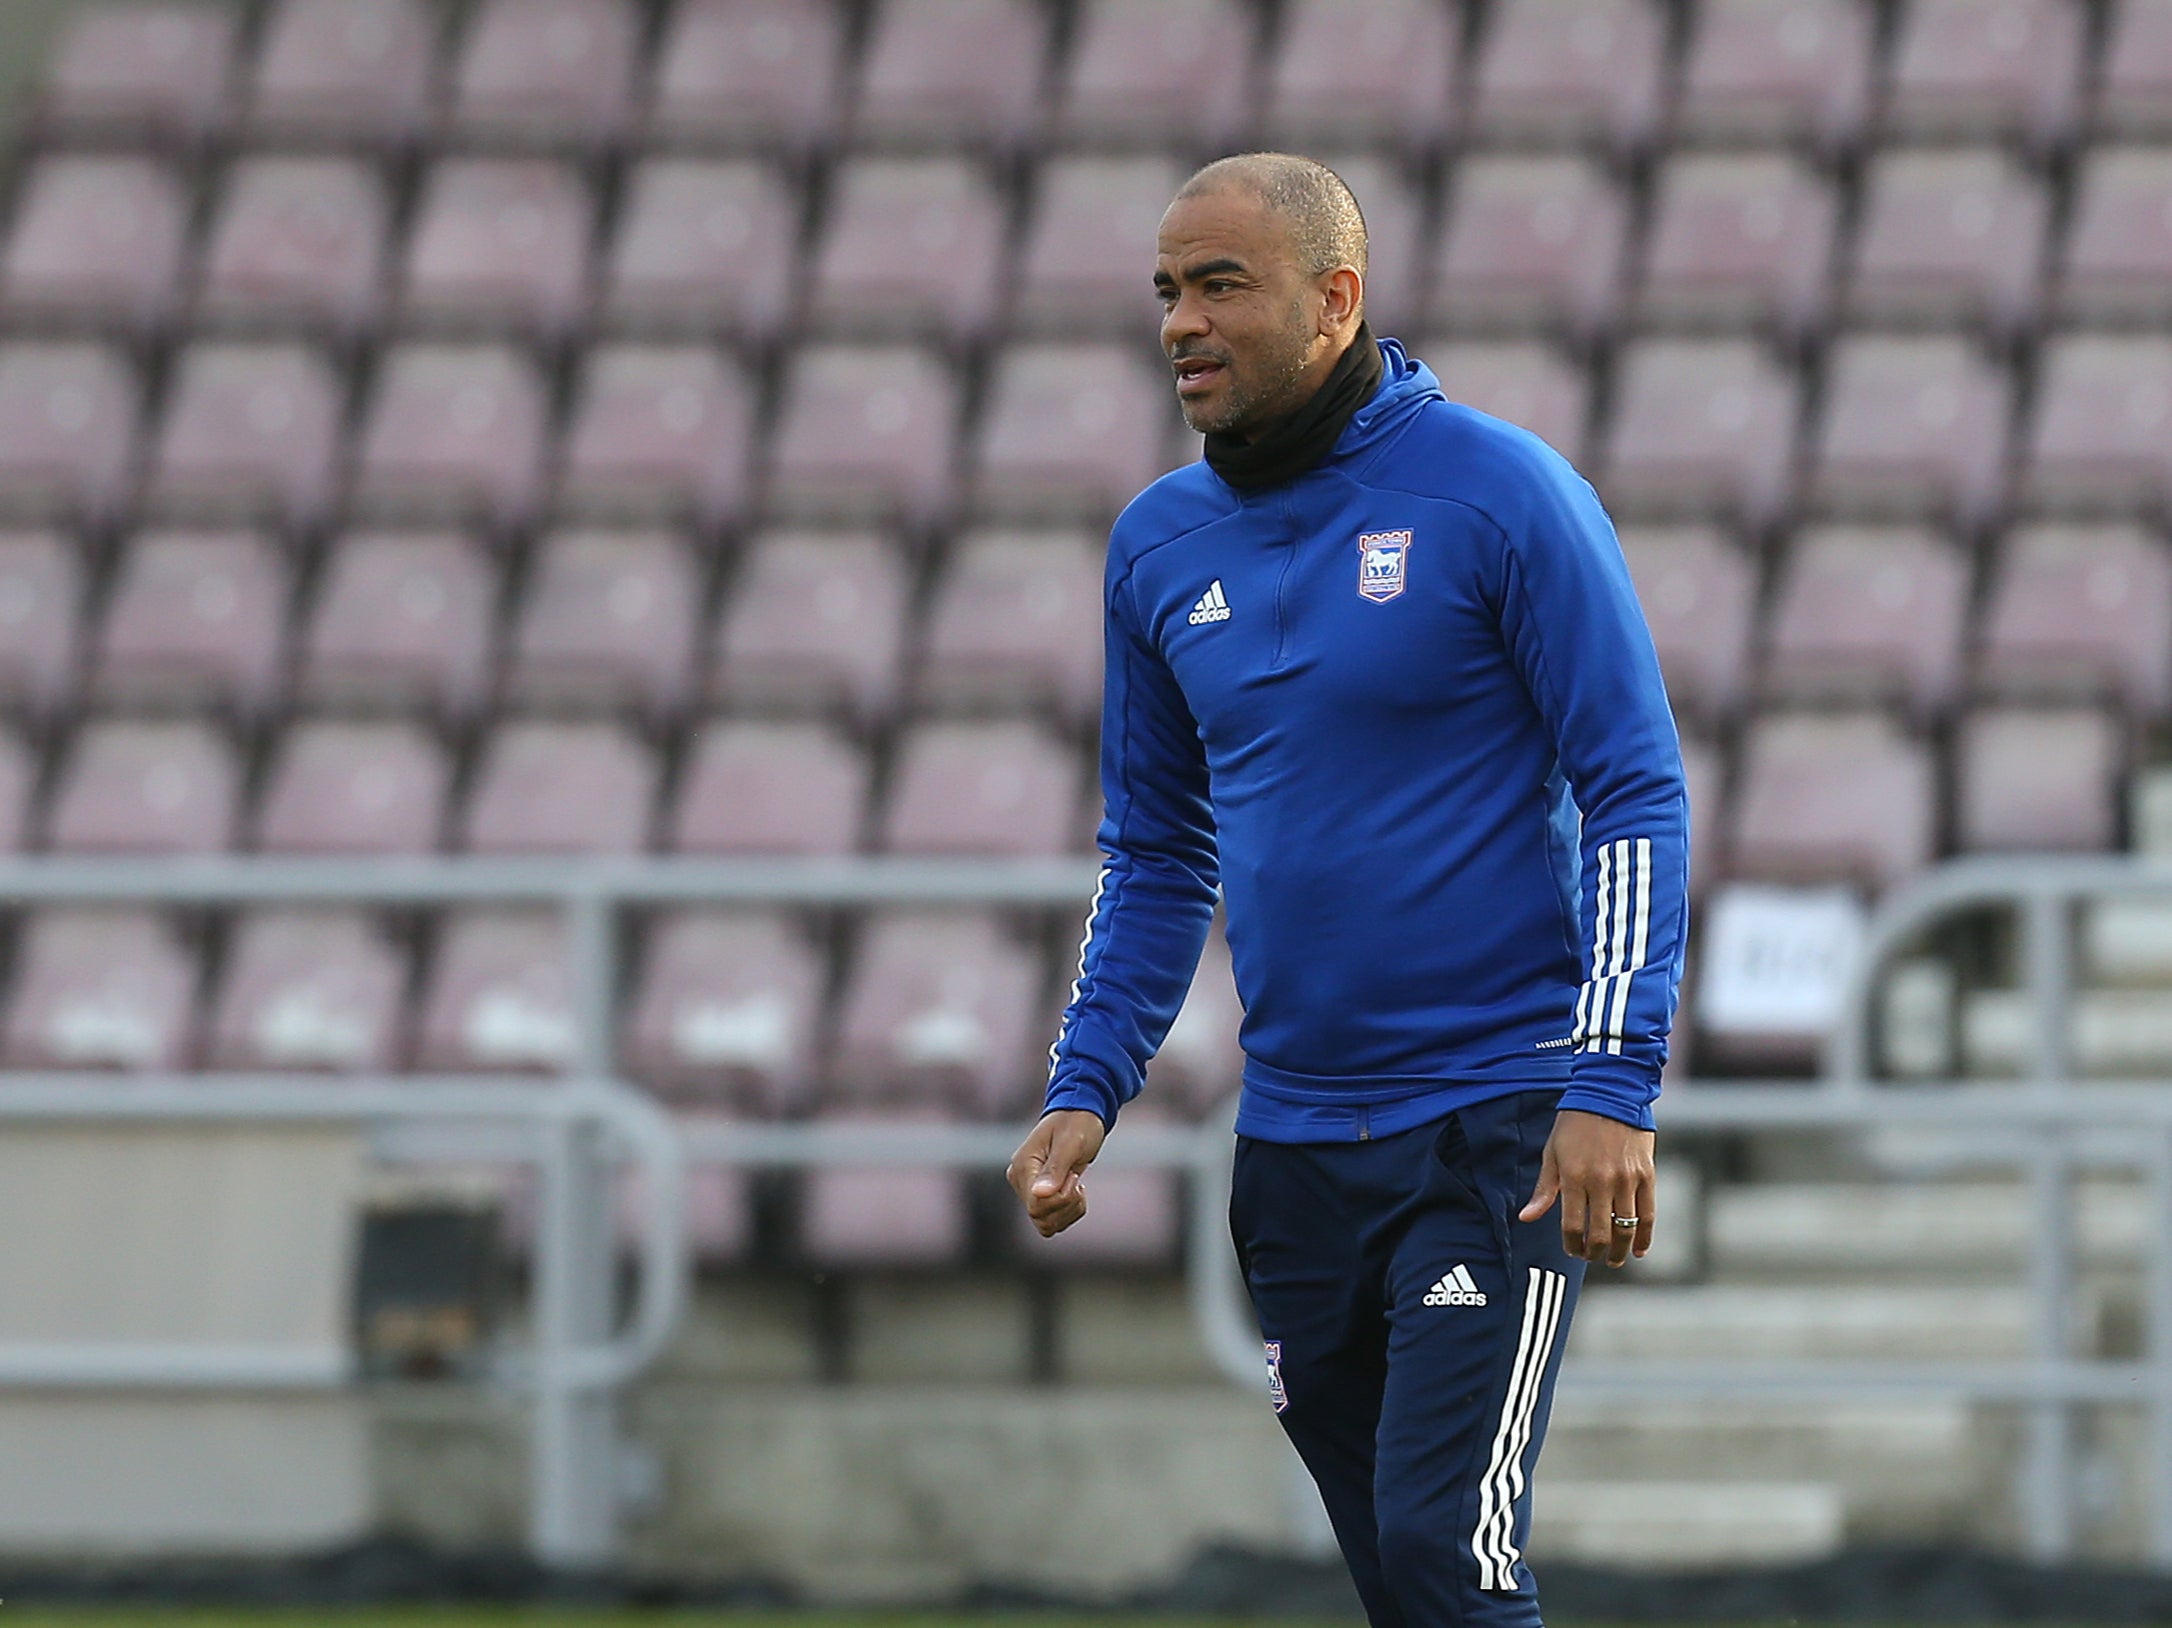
(1620, 936)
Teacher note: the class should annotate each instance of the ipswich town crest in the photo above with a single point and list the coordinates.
(1382, 560)
(1277, 1392)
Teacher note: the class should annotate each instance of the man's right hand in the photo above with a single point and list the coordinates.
(1047, 1172)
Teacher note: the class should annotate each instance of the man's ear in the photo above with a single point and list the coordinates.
(1342, 302)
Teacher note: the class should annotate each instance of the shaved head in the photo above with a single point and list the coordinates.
(1326, 226)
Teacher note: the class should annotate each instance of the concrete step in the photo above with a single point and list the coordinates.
(1831, 1228)
(1806, 1322)
(1670, 1525)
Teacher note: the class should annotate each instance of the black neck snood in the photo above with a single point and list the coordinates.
(1296, 441)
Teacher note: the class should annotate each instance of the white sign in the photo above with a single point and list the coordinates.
(1776, 960)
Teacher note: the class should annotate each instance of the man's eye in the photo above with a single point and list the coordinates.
(1219, 285)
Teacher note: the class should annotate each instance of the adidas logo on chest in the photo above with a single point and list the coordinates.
(1458, 1288)
(1212, 607)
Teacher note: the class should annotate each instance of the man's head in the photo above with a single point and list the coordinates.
(1261, 272)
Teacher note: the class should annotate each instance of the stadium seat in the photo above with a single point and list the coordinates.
(1912, 428)
(726, 1011)
(865, 432)
(1777, 70)
(1832, 797)
(2100, 438)
(609, 622)
(1088, 245)
(1739, 239)
(703, 246)
(454, 432)
(344, 71)
(499, 244)
(1201, 1062)
(2035, 780)
(945, 73)
(2117, 265)
(1526, 382)
(41, 612)
(1158, 73)
(100, 988)
(1072, 430)
(561, 788)
(250, 433)
(748, 71)
(154, 72)
(911, 248)
(1001, 789)
(659, 433)
(146, 788)
(1566, 71)
(1699, 594)
(95, 242)
(2134, 83)
(1987, 68)
(355, 789)
(815, 621)
(751, 787)
(402, 620)
(1380, 72)
(195, 619)
(546, 73)
(499, 995)
(309, 989)
(296, 242)
(1701, 428)
(1946, 233)
(1015, 622)
(878, 1215)
(1395, 230)
(1869, 614)
(1529, 243)
(67, 430)
(2080, 613)
(718, 1215)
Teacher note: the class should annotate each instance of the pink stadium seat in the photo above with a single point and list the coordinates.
(500, 243)
(2101, 436)
(1133, 1216)
(718, 1215)
(1006, 790)
(1948, 232)
(1363, 70)
(748, 71)
(2134, 86)
(1777, 70)
(41, 612)
(1839, 796)
(703, 246)
(2118, 261)
(1073, 429)
(1396, 238)
(1016, 622)
(195, 619)
(1570, 71)
(911, 247)
(865, 432)
(2037, 780)
(157, 71)
(1739, 240)
(499, 995)
(402, 620)
(609, 622)
(1201, 1061)
(1912, 427)
(250, 432)
(100, 988)
(96, 241)
(309, 989)
(344, 71)
(553, 72)
(558, 788)
(1699, 593)
(659, 433)
(296, 241)
(454, 432)
(726, 1010)
(814, 621)
(1158, 73)
(883, 1216)
(2080, 612)
(939, 1007)
(947, 72)
(146, 788)
(355, 789)
(771, 788)
(1869, 614)
(1089, 245)
(67, 430)
(1528, 383)
(1529, 242)
(1987, 67)
(1703, 775)
(1701, 428)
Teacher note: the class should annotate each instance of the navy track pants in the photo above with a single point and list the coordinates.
(1414, 1329)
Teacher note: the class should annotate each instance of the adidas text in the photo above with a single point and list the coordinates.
(1458, 1288)
(1212, 607)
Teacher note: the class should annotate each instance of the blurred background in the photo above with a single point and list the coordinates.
(557, 541)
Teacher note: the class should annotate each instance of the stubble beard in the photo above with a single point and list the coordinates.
(1270, 391)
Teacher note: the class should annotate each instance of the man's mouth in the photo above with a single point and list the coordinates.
(1196, 374)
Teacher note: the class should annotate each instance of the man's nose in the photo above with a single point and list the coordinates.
(1184, 318)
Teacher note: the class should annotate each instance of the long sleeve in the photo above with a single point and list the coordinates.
(1156, 894)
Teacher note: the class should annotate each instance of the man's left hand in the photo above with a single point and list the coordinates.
(1600, 1170)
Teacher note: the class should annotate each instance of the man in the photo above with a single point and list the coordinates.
(1376, 673)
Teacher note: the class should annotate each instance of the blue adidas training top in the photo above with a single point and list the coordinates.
(1405, 713)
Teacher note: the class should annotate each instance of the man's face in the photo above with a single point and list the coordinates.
(1240, 319)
